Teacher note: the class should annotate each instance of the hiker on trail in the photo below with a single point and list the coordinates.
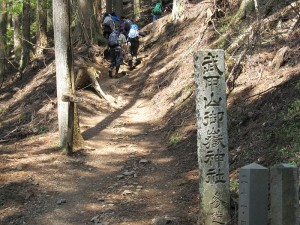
(134, 43)
(116, 19)
(125, 26)
(157, 11)
(108, 25)
(116, 43)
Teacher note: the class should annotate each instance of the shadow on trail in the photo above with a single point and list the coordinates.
(94, 131)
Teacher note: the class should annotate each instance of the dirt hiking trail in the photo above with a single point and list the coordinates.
(124, 175)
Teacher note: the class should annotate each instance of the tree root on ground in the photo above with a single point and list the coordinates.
(90, 76)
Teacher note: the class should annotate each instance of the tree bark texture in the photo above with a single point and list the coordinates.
(41, 26)
(64, 71)
(118, 7)
(136, 10)
(50, 18)
(17, 38)
(3, 24)
(26, 47)
(109, 6)
(98, 12)
(87, 27)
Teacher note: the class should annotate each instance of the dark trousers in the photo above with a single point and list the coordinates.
(134, 47)
(116, 57)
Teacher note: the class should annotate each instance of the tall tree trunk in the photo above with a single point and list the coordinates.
(17, 38)
(49, 17)
(87, 28)
(109, 6)
(64, 72)
(3, 28)
(178, 9)
(118, 7)
(26, 47)
(136, 10)
(98, 12)
(41, 26)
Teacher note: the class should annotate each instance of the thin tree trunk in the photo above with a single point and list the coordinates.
(3, 28)
(109, 6)
(87, 30)
(41, 26)
(17, 38)
(26, 47)
(49, 17)
(98, 12)
(119, 8)
(136, 10)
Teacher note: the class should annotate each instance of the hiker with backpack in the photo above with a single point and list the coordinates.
(116, 19)
(157, 11)
(134, 43)
(108, 25)
(125, 26)
(116, 43)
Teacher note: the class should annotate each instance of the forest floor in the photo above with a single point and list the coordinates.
(125, 175)
(139, 165)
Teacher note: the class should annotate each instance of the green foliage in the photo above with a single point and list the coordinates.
(25, 118)
(293, 163)
(175, 138)
(10, 36)
(102, 40)
(41, 128)
(2, 111)
(234, 186)
(14, 7)
(287, 136)
(293, 111)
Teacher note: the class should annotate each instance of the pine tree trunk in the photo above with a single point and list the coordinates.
(50, 19)
(87, 30)
(119, 8)
(41, 26)
(17, 39)
(3, 28)
(109, 6)
(64, 72)
(136, 9)
(26, 47)
(98, 12)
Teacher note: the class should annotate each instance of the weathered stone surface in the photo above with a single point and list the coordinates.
(284, 195)
(212, 138)
(253, 195)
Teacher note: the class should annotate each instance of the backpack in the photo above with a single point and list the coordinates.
(108, 23)
(127, 25)
(133, 32)
(113, 40)
(157, 9)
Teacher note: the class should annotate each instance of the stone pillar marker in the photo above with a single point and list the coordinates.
(212, 137)
(253, 195)
(284, 195)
